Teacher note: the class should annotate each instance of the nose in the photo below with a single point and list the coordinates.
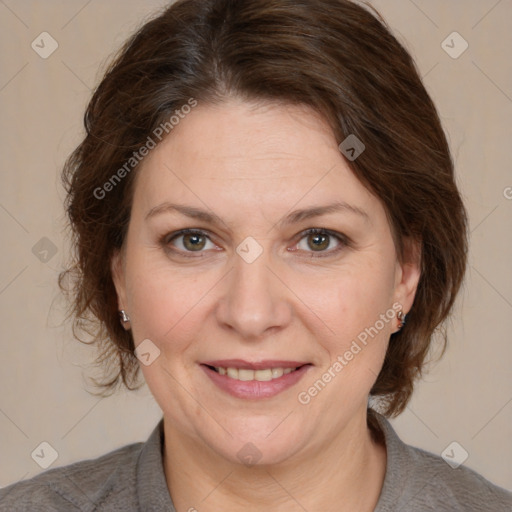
(254, 302)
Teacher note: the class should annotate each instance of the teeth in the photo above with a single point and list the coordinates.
(259, 375)
(277, 372)
(233, 373)
(263, 375)
(245, 374)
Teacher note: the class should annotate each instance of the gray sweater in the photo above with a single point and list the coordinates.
(132, 479)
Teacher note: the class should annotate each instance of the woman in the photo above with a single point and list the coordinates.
(267, 225)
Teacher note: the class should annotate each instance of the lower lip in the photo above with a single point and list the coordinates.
(255, 389)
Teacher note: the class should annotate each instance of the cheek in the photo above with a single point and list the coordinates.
(166, 303)
(347, 301)
(167, 308)
(357, 308)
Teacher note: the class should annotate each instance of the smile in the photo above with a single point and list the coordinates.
(248, 375)
(254, 380)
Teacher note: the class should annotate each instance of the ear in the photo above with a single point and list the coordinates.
(117, 268)
(408, 273)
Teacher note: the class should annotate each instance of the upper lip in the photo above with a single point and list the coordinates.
(254, 365)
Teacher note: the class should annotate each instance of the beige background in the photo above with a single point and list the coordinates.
(466, 398)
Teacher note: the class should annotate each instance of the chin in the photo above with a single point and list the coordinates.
(258, 441)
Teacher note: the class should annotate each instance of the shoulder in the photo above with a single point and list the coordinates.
(417, 480)
(79, 486)
(458, 488)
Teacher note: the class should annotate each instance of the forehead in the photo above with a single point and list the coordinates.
(249, 154)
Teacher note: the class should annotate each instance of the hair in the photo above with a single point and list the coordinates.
(333, 56)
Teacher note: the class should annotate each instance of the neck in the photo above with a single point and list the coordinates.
(344, 474)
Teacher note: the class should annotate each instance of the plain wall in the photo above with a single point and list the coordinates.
(467, 397)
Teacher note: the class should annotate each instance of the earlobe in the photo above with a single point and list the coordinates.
(117, 271)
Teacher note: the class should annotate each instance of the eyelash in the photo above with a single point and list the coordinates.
(343, 240)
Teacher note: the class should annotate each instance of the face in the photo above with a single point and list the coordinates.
(255, 263)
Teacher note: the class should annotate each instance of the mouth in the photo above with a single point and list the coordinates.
(247, 375)
(263, 379)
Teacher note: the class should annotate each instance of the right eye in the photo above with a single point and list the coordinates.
(189, 240)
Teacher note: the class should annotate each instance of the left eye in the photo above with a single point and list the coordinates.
(319, 240)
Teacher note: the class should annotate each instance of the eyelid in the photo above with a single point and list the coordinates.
(187, 231)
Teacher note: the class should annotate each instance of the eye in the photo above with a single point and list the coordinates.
(315, 240)
(321, 241)
(189, 240)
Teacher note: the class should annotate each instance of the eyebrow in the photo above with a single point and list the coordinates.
(316, 211)
(292, 218)
(188, 211)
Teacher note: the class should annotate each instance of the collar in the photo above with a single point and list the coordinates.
(152, 491)
(153, 494)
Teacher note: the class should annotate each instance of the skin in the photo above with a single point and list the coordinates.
(251, 165)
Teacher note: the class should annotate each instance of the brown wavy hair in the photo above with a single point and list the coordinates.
(334, 56)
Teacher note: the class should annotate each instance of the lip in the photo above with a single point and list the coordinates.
(255, 389)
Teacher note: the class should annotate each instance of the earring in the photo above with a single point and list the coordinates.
(401, 319)
(124, 317)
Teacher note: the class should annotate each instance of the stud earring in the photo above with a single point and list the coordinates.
(401, 319)
(124, 317)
